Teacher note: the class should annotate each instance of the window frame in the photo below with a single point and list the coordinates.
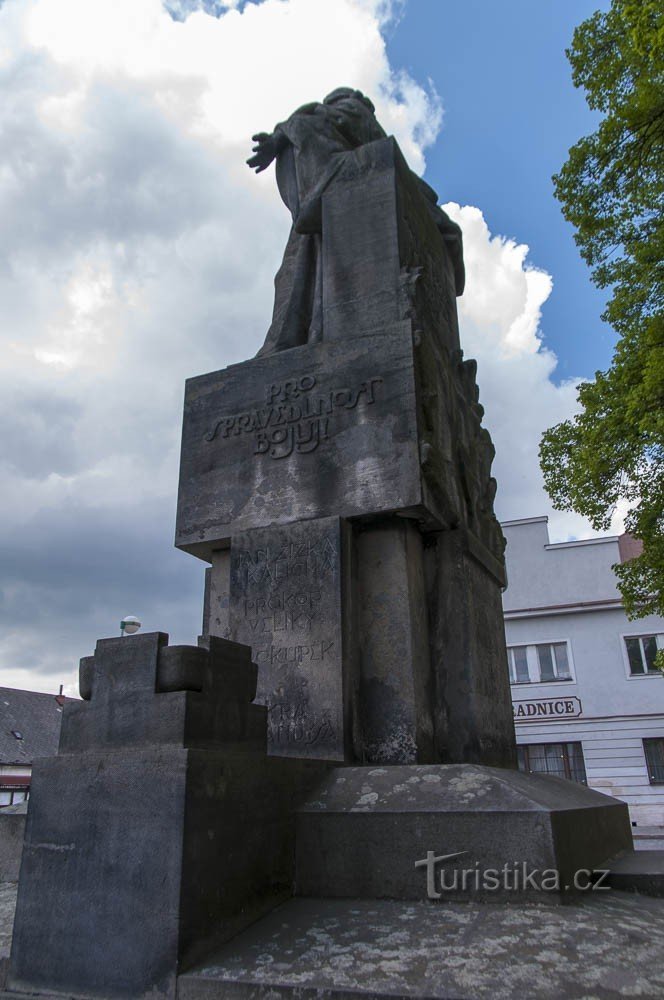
(533, 663)
(659, 639)
(652, 739)
(13, 790)
(567, 766)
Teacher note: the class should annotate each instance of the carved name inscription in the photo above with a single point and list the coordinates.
(286, 604)
(295, 418)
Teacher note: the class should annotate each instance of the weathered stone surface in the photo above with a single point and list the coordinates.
(375, 416)
(216, 619)
(145, 855)
(640, 871)
(288, 591)
(396, 717)
(138, 691)
(606, 946)
(12, 830)
(383, 256)
(473, 720)
(152, 833)
(312, 432)
(361, 833)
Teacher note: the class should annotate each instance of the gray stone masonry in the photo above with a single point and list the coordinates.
(161, 825)
(367, 832)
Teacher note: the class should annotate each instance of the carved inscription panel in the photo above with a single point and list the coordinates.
(316, 431)
(286, 603)
(295, 417)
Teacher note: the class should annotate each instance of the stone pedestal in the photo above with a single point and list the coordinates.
(370, 443)
(160, 827)
(389, 833)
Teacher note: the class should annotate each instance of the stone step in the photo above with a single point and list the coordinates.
(314, 949)
(639, 871)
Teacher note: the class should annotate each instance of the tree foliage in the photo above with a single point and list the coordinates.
(612, 191)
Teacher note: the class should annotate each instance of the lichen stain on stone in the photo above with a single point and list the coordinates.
(368, 799)
(471, 784)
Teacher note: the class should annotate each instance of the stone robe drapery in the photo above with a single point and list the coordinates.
(314, 143)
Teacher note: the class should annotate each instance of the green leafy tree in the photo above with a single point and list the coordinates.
(612, 191)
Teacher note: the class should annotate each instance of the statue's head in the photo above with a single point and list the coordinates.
(346, 93)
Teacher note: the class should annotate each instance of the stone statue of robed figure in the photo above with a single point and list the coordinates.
(310, 148)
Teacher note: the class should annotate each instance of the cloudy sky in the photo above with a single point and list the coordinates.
(137, 249)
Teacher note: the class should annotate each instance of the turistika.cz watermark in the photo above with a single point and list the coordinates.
(515, 876)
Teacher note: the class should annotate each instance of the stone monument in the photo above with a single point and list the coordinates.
(340, 482)
(160, 828)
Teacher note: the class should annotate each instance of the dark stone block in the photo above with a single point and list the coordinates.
(363, 830)
(317, 431)
(472, 708)
(161, 827)
(145, 856)
(142, 692)
(396, 717)
(288, 586)
(383, 256)
(112, 921)
(640, 872)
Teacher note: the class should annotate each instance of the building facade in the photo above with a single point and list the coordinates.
(29, 728)
(588, 702)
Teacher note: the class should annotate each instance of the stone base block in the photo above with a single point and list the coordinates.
(393, 832)
(134, 858)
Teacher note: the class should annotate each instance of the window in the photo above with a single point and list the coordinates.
(564, 760)
(654, 751)
(518, 660)
(641, 653)
(544, 663)
(12, 795)
(553, 663)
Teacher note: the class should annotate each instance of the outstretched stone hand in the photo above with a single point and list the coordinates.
(266, 149)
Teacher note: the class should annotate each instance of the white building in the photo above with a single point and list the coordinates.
(587, 704)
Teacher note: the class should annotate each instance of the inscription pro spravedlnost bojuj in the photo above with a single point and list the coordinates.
(294, 417)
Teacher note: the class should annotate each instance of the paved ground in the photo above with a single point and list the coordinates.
(597, 949)
(600, 948)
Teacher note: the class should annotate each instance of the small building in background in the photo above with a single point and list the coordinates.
(29, 728)
(588, 701)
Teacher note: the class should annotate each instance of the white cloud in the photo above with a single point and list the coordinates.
(137, 249)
